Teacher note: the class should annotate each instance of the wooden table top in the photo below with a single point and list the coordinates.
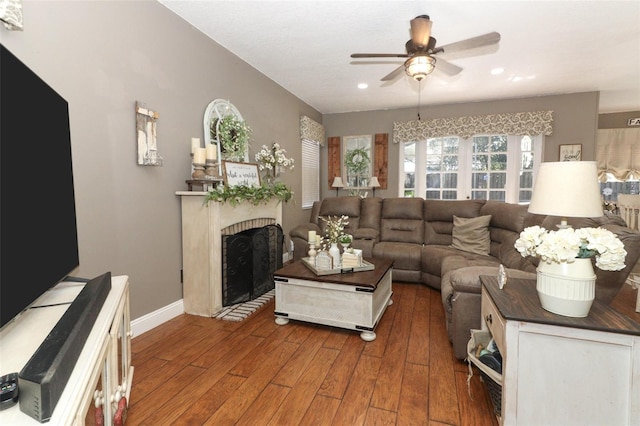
(519, 301)
(366, 279)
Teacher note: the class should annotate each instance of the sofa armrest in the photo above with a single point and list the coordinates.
(302, 231)
(366, 234)
(467, 280)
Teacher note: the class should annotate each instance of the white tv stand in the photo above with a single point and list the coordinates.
(103, 367)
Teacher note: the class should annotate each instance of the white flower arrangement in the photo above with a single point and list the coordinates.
(565, 245)
(271, 158)
(335, 227)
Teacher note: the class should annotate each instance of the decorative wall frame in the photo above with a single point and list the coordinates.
(213, 114)
(146, 135)
(571, 152)
(245, 174)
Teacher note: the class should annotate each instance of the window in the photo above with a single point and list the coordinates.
(483, 167)
(357, 161)
(310, 173)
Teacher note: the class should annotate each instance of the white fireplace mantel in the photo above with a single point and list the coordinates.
(202, 225)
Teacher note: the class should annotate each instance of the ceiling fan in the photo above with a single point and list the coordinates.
(421, 50)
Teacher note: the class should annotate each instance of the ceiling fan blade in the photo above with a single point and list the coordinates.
(447, 67)
(393, 74)
(471, 43)
(421, 30)
(379, 55)
(381, 62)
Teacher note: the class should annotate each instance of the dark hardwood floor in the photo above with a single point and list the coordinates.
(193, 370)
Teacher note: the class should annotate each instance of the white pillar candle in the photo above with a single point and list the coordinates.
(312, 236)
(212, 152)
(195, 144)
(199, 156)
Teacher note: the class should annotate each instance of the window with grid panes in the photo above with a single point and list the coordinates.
(488, 167)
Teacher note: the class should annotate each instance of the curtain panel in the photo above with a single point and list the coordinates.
(311, 130)
(519, 123)
(618, 153)
(11, 14)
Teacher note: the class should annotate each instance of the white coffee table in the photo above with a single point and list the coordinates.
(354, 300)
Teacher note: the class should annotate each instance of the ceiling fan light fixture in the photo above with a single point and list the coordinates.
(419, 67)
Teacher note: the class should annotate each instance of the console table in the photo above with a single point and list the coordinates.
(561, 370)
(103, 368)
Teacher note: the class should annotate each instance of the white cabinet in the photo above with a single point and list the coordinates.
(104, 365)
(561, 370)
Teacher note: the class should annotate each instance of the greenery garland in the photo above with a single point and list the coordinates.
(357, 160)
(233, 135)
(255, 195)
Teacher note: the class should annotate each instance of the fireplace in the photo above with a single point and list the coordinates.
(249, 259)
(203, 225)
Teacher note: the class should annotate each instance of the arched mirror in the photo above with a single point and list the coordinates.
(226, 129)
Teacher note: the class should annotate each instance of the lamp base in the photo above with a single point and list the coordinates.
(567, 289)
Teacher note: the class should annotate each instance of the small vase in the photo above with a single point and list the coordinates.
(567, 289)
(334, 251)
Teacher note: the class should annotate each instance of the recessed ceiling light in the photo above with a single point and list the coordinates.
(497, 71)
(362, 85)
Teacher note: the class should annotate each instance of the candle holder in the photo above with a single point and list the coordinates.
(211, 168)
(198, 171)
(312, 251)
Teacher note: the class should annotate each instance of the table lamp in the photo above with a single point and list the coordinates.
(567, 189)
(337, 184)
(373, 183)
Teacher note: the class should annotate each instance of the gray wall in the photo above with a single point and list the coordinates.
(102, 56)
(575, 120)
(616, 120)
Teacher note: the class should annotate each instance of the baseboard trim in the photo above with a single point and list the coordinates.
(153, 319)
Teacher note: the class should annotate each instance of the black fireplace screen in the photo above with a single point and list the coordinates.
(249, 260)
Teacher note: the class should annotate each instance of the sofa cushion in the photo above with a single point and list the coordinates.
(405, 256)
(338, 206)
(401, 220)
(438, 218)
(434, 256)
(370, 211)
(471, 234)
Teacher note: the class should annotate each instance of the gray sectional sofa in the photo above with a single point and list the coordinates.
(447, 245)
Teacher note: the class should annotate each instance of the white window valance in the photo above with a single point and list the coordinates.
(518, 123)
(618, 153)
(11, 14)
(311, 130)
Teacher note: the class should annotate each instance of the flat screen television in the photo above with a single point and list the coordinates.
(38, 231)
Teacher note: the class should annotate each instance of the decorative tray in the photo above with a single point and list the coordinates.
(366, 266)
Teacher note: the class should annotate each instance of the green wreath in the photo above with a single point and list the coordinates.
(233, 135)
(357, 160)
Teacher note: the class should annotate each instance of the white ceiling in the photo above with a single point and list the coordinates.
(547, 47)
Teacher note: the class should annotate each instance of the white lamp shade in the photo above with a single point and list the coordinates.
(337, 182)
(373, 182)
(567, 189)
